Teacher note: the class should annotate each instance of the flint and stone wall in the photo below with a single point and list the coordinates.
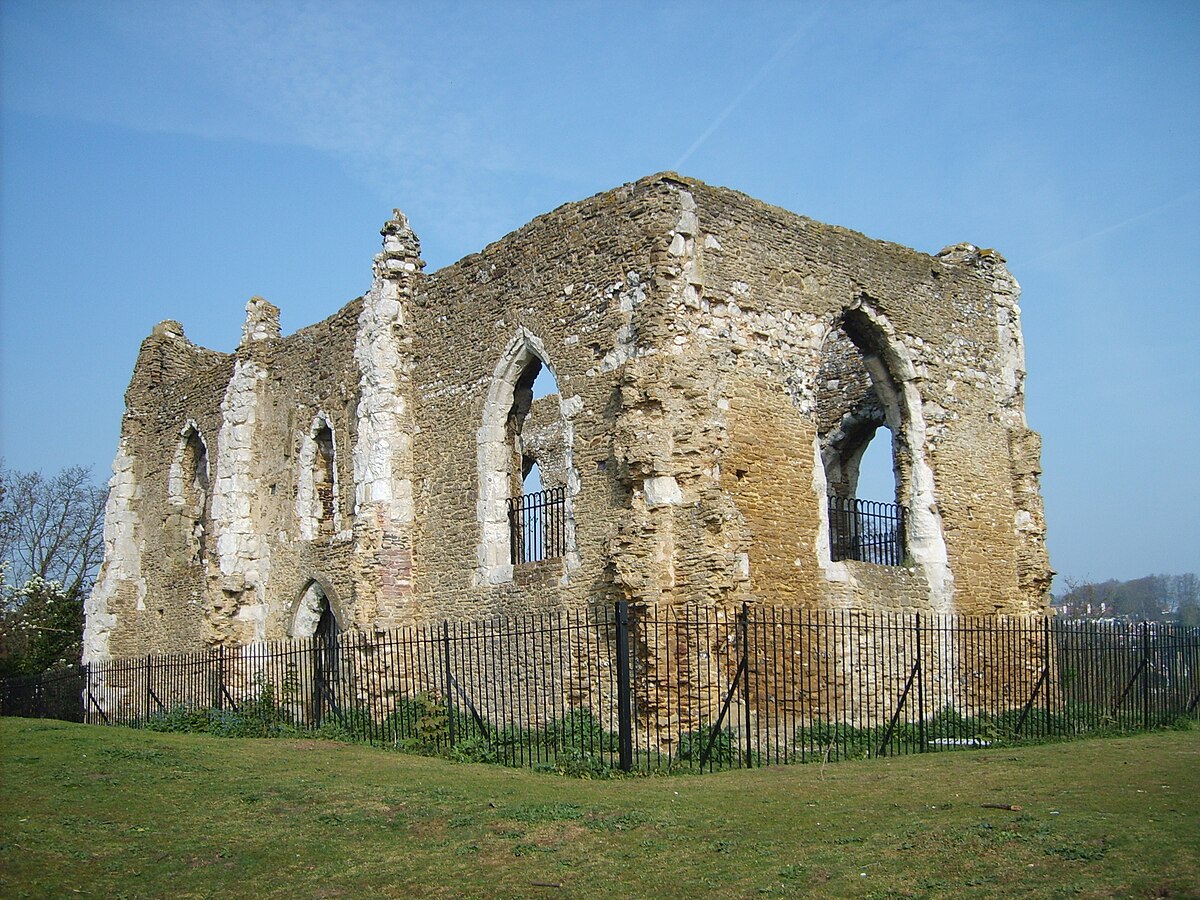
(718, 364)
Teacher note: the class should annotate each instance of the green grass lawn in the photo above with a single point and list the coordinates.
(115, 812)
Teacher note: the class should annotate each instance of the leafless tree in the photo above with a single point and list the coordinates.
(51, 544)
(51, 528)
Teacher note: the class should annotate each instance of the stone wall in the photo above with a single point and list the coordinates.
(718, 364)
(156, 592)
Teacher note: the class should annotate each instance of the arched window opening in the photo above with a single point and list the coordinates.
(537, 496)
(514, 429)
(857, 408)
(317, 507)
(544, 384)
(533, 478)
(876, 475)
(323, 483)
(526, 473)
(189, 491)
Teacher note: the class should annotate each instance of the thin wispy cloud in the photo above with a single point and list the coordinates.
(762, 73)
(336, 78)
(1124, 223)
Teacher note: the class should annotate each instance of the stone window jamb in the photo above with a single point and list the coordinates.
(895, 379)
(318, 482)
(188, 481)
(495, 461)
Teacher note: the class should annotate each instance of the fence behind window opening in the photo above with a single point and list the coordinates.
(537, 525)
(866, 530)
(651, 689)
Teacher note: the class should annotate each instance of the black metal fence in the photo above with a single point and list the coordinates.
(537, 525)
(664, 688)
(866, 530)
(54, 694)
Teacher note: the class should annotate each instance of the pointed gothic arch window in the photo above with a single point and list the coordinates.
(860, 418)
(188, 490)
(867, 385)
(317, 508)
(323, 477)
(526, 473)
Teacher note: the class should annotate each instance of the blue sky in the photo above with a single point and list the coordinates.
(169, 160)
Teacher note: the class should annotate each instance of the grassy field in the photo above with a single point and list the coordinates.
(114, 812)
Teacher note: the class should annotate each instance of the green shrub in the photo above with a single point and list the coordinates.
(420, 723)
(581, 730)
(475, 748)
(949, 723)
(575, 763)
(724, 750)
(261, 716)
(821, 740)
(349, 726)
(180, 719)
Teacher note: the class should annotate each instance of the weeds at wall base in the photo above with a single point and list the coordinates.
(576, 746)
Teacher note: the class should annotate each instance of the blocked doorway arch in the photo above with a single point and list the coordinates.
(316, 604)
(319, 677)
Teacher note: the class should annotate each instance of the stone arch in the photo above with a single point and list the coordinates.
(856, 396)
(317, 618)
(318, 500)
(188, 488)
(884, 393)
(315, 599)
(502, 464)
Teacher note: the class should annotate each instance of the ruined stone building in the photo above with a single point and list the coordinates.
(693, 374)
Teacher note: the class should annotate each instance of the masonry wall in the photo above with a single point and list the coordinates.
(252, 410)
(699, 343)
(754, 291)
(575, 285)
(308, 377)
(147, 538)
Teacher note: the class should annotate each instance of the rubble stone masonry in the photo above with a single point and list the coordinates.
(719, 367)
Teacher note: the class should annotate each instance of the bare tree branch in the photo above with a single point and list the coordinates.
(51, 528)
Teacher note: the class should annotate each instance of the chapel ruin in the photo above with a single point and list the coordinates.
(692, 374)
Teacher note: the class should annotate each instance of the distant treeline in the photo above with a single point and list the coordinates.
(1155, 597)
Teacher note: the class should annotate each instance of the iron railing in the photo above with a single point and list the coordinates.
(866, 531)
(54, 694)
(659, 688)
(537, 525)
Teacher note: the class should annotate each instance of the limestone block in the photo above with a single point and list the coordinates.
(662, 490)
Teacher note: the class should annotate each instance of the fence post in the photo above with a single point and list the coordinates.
(1145, 675)
(449, 678)
(1046, 663)
(147, 715)
(624, 692)
(920, 690)
(744, 621)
